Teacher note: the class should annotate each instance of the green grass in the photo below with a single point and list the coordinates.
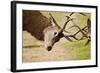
(83, 19)
(79, 49)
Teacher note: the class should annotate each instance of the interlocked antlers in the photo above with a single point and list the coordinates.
(61, 29)
(86, 31)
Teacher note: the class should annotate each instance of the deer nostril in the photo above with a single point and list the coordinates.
(55, 33)
(49, 48)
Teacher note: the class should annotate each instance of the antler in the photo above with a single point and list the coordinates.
(67, 37)
(64, 26)
(83, 31)
(56, 22)
(79, 13)
(73, 36)
(68, 19)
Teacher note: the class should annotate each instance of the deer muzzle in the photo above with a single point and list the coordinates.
(49, 48)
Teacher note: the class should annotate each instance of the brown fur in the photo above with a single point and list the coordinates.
(34, 22)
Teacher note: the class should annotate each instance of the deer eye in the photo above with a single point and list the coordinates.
(55, 33)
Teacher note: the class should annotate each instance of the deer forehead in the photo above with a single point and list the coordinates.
(51, 29)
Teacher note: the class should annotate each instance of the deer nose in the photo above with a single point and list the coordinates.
(49, 48)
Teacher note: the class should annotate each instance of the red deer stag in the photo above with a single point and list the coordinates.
(43, 28)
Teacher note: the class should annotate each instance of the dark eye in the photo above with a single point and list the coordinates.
(55, 33)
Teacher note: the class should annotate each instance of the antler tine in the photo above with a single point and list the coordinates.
(82, 14)
(67, 37)
(66, 23)
(68, 16)
(73, 36)
(71, 13)
(80, 30)
(69, 19)
(83, 29)
(79, 13)
(56, 22)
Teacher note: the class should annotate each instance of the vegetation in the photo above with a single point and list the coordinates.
(80, 50)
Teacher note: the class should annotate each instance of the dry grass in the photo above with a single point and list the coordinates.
(34, 51)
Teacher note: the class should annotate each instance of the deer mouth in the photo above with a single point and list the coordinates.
(49, 48)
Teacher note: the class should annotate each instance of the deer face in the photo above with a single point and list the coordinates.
(51, 36)
(53, 33)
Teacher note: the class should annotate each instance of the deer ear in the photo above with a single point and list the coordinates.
(52, 21)
(88, 22)
(89, 25)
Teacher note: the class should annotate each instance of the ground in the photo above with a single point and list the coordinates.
(34, 51)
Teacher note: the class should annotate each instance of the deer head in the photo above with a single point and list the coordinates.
(54, 33)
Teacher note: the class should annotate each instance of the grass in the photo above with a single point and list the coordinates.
(79, 49)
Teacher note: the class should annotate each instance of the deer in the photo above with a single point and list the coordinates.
(45, 29)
